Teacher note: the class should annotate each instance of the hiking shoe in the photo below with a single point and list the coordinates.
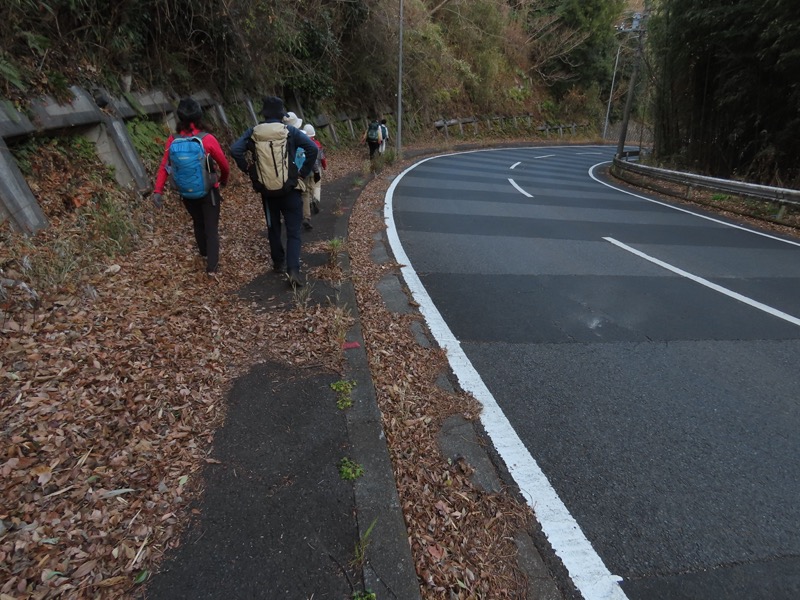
(307, 224)
(279, 267)
(314, 207)
(294, 279)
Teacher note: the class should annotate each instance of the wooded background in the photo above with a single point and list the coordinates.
(727, 87)
(718, 78)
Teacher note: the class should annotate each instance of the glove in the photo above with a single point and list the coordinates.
(157, 201)
(317, 177)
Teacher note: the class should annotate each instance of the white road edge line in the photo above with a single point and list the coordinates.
(717, 288)
(519, 189)
(684, 210)
(516, 164)
(585, 567)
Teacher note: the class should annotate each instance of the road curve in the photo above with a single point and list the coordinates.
(637, 363)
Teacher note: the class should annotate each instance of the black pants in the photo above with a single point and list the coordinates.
(373, 147)
(205, 219)
(290, 207)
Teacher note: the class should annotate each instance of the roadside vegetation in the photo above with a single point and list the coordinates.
(116, 352)
(725, 96)
(461, 57)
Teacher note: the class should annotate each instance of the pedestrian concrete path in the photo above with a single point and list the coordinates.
(276, 520)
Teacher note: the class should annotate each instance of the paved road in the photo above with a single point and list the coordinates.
(646, 357)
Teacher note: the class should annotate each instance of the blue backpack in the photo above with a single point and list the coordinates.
(188, 166)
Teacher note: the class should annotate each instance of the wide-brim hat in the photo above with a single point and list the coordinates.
(293, 120)
(309, 130)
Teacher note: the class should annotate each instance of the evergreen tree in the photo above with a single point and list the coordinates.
(728, 101)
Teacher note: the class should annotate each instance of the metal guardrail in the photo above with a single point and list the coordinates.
(783, 196)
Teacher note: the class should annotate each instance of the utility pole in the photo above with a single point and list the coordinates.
(632, 83)
(399, 140)
(611, 93)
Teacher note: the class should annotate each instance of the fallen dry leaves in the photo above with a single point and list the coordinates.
(461, 536)
(114, 380)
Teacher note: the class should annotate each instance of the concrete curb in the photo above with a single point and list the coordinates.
(389, 566)
(461, 440)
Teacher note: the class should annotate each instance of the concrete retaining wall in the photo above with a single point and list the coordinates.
(100, 117)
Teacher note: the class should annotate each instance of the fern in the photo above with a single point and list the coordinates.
(11, 74)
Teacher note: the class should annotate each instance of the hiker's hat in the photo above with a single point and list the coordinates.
(272, 108)
(309, 130)
(293, 120)
(189, 111)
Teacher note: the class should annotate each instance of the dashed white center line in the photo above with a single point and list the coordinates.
(519, 189)
(585, 567)
(717, 288)
(515, 165)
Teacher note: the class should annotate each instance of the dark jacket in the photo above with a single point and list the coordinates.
(297, 139)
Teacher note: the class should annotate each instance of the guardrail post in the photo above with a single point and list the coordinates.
(115, 148)
(329, 122)
(251, 111)
(16, 198)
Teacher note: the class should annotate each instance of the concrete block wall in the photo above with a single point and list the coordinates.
(100, 117)
(446, 126)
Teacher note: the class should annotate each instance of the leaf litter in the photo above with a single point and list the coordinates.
(114, 379)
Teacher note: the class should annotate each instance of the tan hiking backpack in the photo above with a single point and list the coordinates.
(275, 167)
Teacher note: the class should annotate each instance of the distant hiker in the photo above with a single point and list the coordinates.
(313, 192)
(372, 137)
(267, 153)
(384, 136)
(190, 160)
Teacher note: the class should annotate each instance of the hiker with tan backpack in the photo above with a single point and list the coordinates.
(267, 153)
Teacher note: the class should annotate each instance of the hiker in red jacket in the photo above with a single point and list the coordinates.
(195, 178)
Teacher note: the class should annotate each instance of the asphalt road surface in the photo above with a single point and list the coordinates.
(646, 357)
